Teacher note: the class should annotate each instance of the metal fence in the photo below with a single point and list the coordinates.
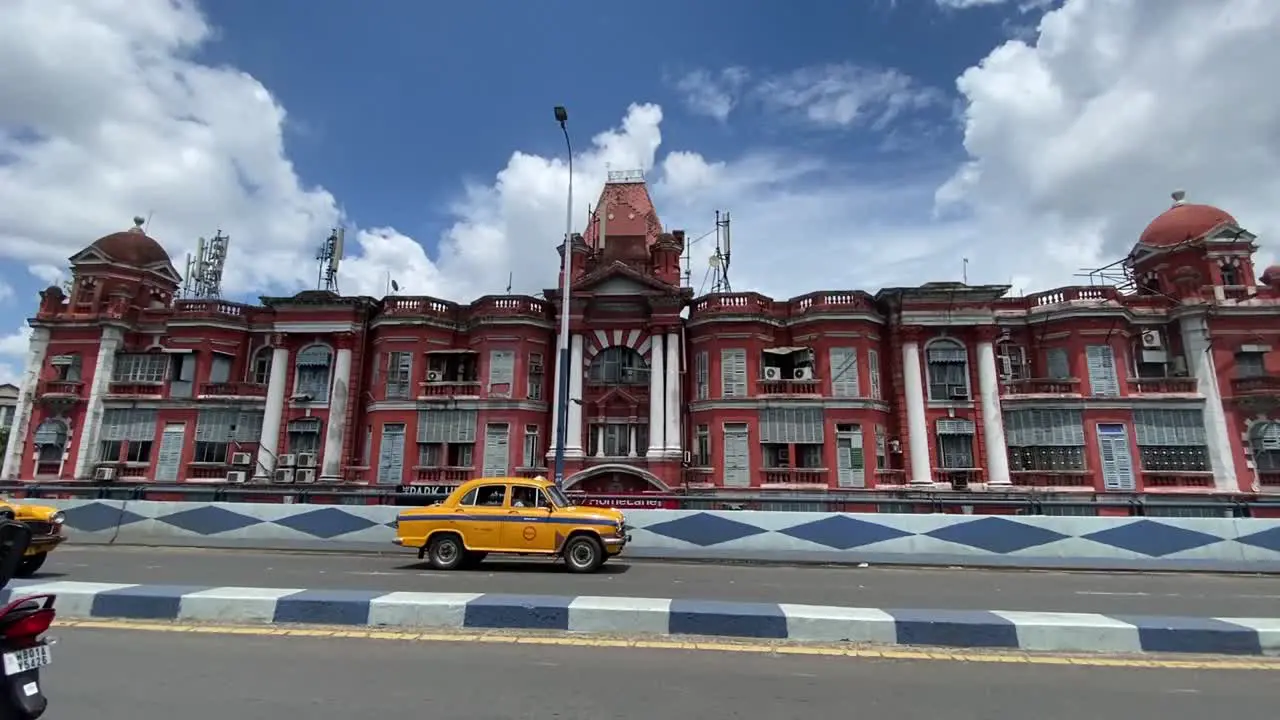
(864, 502)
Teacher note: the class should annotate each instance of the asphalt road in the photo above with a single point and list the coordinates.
(964, 589)
(130, 675)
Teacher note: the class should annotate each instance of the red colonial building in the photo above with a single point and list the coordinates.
(1164, 381)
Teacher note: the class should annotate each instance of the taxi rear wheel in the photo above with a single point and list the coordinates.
(446, 552)
(583, 554)
(31, 565)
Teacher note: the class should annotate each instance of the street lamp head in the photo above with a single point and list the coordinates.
(562, 115)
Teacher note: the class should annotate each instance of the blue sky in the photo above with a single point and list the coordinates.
(858, 145)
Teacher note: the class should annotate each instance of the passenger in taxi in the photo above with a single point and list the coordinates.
(492, 496)
(527, 497)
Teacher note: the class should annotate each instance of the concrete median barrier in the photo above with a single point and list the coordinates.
(1031, 541)
(628, 616)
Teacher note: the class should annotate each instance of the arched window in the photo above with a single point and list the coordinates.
(51, 444)
(619, 365)
(314, 364)
(1264, 445)
(948, 367)
(260, 368)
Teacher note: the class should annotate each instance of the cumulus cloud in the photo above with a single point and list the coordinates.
(1077, 138)
(712, 94)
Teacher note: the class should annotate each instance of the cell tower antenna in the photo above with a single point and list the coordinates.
(721, 256)
(204, 269)
(330, 256)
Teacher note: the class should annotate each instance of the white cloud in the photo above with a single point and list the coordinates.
(49, 274)
(1077, 139)
(13, 347)
(6, 291)
(713, 94)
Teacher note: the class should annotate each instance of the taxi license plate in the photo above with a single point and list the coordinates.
(31, 658)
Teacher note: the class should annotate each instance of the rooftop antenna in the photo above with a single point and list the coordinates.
(510, 277)
(964, 273)
(721, 255)
(204, 269)
(146, 224)
(330, 256)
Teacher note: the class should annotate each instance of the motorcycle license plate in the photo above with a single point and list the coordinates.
(31, 658)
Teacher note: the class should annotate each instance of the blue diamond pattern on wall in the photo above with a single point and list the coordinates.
(326, 523)
(841, 532)
(705, 529)
(996, 535)
(1152, 538)
(96, 517)
(209, 520)
(1267, 539)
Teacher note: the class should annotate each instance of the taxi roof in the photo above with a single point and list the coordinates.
(531, 482)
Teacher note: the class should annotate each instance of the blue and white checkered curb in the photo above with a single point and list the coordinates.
(1031, 631)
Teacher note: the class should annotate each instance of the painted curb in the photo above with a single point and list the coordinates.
(989, 629)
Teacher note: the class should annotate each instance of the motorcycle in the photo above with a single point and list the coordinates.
(24, 649)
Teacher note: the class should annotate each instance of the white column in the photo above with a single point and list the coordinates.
(631, 441)
(555, 405)
(672, 441)
(268, 442)
(598, 429)
(37, 348)
(992, 416)
(103, 367)
(335, 435)
(657, 399)
(1195, 343)
(917, 426)
(573, 441)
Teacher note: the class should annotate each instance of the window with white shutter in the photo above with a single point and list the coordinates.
(502, 372)
(1103, 380)
(1171, 440)
(1117, 462)
(218, 431)
(399, 375)
(844, 372)
(733, 373)
(737, 456)
(313, 367)
(873, 373)
(955, 444)
(701, 375)
(220, 368)
(850, 457)
(497, 450)
(391, 454)
(446, 438)
(127, 435)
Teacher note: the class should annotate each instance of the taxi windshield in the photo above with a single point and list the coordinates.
(558, 497)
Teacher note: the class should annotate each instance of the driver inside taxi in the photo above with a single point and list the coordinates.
(524, 497)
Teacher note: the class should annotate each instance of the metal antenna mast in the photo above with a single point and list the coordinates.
(720, 257)
(204, 269)
(330, 256)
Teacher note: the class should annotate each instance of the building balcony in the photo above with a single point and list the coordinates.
(795, 476)
(1052, 478)
(1041, 386)
(1172, 479)
(61, 389)
(958, 477)
(211, 309)
(1256, 385)
(233, 389)
(135, 389)
(1160, 386)
(1269, 479)
(443, 475)
(446, 390)
(789, 387)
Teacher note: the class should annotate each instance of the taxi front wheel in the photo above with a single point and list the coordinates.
(446, 552)
(583, 554)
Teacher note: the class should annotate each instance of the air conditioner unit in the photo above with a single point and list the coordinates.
(772, 373)
(104, 473)
(959, 394)
(241, 458)
(238, 477)
(288, 460)
(434, 376)
(305, 475)
(803, 373)
(283, 475)
(1151, 340)
(306, 460)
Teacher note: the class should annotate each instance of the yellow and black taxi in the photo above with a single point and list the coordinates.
(512, 516)
(46, 525)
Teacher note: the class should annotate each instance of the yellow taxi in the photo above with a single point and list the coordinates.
(512, 516)
(45, 524)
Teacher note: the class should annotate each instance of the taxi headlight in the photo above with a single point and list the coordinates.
(58, 518)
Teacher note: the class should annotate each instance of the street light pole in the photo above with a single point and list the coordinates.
(562, 396)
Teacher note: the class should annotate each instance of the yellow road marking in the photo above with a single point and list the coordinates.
(877, 653)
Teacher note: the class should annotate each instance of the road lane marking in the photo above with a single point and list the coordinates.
(871, 653)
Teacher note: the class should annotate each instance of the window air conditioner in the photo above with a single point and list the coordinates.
(104, 474)
(772, 373)
(237, 477)
(434, 376)
(803, 373)
(306, 460)
(1151, 340)
(284, 475)
(288, 460)
(241, 458)
(959, 394)
(305, 475)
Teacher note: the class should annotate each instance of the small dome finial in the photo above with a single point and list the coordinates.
(1179, 197)
(138, 222)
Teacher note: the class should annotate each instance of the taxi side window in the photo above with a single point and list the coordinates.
(486, 496)
(528, 497)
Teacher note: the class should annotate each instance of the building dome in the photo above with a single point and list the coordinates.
(1271, 276)
(132, 246)
(1183, 222)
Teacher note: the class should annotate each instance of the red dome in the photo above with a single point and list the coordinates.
(1271, 275)
(1183, 222)
(132, 247)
